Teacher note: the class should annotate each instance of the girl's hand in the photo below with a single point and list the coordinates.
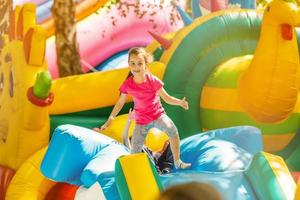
(102, 128)
(96, 129)
(106, 124)
(184, 104)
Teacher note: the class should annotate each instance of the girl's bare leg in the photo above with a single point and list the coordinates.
(175, 148)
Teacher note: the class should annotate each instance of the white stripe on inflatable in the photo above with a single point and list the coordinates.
(93, 193)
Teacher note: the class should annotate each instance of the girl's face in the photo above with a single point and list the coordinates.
(137, 64)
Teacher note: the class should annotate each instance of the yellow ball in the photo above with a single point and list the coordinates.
(156, 139)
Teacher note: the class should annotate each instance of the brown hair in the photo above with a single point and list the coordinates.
(141, 51)
(191, 191)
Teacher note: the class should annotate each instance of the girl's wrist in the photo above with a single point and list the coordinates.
(180, 103)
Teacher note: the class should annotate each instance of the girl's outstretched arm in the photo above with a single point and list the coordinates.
(172, 100)
(119, 105)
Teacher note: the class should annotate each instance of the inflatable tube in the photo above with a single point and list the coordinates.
(114, 31)
(93, 87)
(206, 151)
(28, 182)
(74, 154)
(137, 181)
(267, 173)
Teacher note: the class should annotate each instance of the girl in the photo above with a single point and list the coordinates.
(146, 90)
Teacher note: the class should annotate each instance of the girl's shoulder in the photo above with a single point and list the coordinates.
(154, 80)
(152, 77)
(128, 79)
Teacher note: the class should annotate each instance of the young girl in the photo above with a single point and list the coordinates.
(146, 90)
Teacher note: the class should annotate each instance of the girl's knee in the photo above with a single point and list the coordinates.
(173, 134)
(171, 131)
(136, 149)
(136, 146)
(132, 151)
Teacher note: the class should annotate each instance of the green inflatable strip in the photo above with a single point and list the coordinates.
(292, 152)
(226, 36)
(263, 180)
(293, 160)
(212, 119)
(156, 176)
(86, 122)
(158, 53)
(121, 182)
(99, 112)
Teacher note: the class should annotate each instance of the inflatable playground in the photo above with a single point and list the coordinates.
(241, 133)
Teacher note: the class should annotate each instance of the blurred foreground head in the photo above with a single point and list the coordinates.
(191, 191)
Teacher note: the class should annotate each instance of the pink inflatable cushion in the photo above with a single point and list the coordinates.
(104, 34)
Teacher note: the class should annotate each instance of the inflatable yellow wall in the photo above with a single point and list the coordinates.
(24, 125)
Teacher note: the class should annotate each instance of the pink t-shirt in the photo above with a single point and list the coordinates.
(147, 105)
